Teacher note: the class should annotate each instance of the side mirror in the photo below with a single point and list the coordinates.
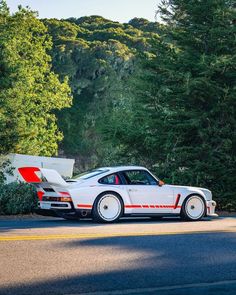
(161, 183)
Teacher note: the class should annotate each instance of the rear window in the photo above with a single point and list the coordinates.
(110, 179)
(90, 174)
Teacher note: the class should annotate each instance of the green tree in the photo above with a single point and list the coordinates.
(98, 56)
(186, 102)
(203, 91)
(30, 92)
(4, 9)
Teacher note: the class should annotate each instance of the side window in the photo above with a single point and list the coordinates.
(139, 177)
(110, 179)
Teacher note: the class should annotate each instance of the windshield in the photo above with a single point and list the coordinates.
(90, 174)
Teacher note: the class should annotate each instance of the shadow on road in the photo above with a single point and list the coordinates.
(8, 225)
(120, 263)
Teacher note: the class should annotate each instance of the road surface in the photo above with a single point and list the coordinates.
(135, 256)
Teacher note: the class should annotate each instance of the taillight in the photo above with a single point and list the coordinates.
(64, 194)
(40, 195)
(65, 199)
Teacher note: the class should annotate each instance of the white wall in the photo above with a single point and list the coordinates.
(61, 165)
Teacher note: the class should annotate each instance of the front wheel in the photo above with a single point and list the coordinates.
(108, 207)
(193, 208)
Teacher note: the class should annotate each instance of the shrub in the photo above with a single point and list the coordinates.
(226, 203)
(5, 168)
(17, 198)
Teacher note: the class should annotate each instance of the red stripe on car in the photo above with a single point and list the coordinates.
(84, 206)
(133, 206)
(29, 175)
(177, 201)
(151, 206)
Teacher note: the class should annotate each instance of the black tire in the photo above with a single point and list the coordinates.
(100, 212)
(197, 213)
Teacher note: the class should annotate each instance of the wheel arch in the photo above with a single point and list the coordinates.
(196, 194)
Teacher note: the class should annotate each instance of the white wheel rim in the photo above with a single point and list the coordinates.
(109, 207)
(195, 207)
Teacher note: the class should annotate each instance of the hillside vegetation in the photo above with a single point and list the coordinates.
(106, 93)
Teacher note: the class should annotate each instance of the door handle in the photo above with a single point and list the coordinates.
(132, 190)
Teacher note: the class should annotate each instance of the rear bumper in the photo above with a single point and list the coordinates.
(46, 212)
(56, 209)
(77, 213)
(211, 206)
(45, 205)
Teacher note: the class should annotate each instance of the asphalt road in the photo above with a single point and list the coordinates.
(140, 256)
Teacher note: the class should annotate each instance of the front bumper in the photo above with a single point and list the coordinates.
(211, 206)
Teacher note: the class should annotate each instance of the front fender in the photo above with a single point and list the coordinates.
(184, 192)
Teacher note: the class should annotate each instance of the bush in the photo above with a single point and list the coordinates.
(227, 202)
(17, 198)
(5, 168)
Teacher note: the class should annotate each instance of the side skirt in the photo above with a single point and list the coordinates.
(151, 215)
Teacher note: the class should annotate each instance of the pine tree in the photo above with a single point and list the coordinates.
(183, 122)
(199, 82)
(203, 91)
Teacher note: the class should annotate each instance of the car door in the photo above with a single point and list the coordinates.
(145, 193)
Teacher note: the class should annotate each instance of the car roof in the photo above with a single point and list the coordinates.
(122, 168)
(110, 170)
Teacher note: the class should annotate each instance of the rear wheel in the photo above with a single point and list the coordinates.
(193, 208)
(108, 207)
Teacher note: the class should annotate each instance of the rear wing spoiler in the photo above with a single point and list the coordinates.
(37, 175)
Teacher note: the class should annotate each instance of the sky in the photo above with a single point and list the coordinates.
(116, 10)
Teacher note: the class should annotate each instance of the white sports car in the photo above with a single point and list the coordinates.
(109, 193)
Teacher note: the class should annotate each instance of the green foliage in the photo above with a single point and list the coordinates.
(29, 91)
(159, 95)
(4, 9)
(181, 119)
(98, 61)
(5, 168)
(17, 198)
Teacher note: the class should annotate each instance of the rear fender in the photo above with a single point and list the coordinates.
(84, 197)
